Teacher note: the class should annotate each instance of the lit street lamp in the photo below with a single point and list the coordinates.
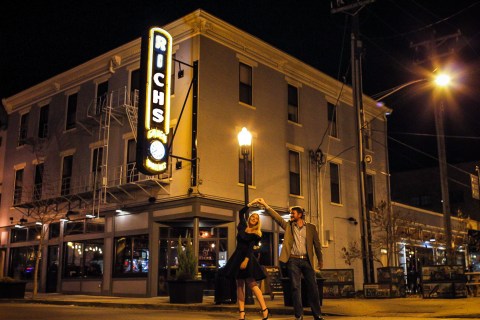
(441, 82)
(245, 142)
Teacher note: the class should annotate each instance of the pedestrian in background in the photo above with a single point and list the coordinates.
(299, 244)
(243, 265)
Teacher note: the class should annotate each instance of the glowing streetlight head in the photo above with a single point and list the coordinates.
(442, 80)
(244, 138)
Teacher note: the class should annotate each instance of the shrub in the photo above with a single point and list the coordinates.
(187, 262)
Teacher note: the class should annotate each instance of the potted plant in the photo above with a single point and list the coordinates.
(186, 288)
(11, 288)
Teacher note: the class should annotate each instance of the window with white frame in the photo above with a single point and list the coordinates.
(292, 103)
(335, 183)
(71, 118)
(38, 181)
(43, 121)
(370, 192)
(294, 172)
(245, 83)
(332, 119)
(18, 186)
(367, 135)
(67, 170)
(96, 167)
(23, 129)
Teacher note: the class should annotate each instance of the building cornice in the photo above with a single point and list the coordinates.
(196, 23)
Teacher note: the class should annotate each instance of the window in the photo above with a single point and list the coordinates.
(71, 119)
(43, 122)
(96, 167)
(132, 172)
(335, 183)
(294, 169)
(332, 119)
(18, 235)
(131, 256)
(102, 96)
(174, 71)
(370, 192)
(66, 175)
(22, 263)
(34, 233)
(134, 87)
(23, 129)
(245, 89)
(367, 135)
(54, 230)
(292, 103)
(241, 168)
(84, 226)
(37, 188)
(18, 187)
(83, 259)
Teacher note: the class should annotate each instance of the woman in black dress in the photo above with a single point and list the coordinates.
(243, 265)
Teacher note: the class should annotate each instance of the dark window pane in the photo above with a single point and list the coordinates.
(131, 256)
(22, 263)
(245, 85)
(70, 123)
(43, 122)
(334, 183)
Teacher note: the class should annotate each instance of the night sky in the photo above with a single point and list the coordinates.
(44, 38)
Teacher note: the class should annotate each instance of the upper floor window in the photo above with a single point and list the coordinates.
(38, 185)
(367, 135)
(332, 119)
(67, 170)
(96, 167)
(102, 97)
(71, 118)
(23, 129)
(245, 88)
(335, 183)
(132, 171)
(370, 192)
(292, 103)
(134, 87)
(43, 122)
(294, 171)
(18, 187)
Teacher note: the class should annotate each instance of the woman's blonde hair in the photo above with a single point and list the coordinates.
(257, 229)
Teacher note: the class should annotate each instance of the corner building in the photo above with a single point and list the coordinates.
(110, 230)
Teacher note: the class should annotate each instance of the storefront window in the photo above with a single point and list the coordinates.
(131, 256)
(22, 263)
(34, 233)
(54, 230)
(83, 259)
(95, 225)
(265, 256)
(18, 235)
(74, 227)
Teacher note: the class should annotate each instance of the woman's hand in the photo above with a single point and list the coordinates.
(258, 201)
(244, 264)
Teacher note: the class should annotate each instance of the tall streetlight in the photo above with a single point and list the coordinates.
(441, 82)
(245, 142)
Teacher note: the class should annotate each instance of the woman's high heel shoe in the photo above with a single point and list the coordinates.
(268, 313)
(241, 311)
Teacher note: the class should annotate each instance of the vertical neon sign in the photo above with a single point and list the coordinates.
(154, 102)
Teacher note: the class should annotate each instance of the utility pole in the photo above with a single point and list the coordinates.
(432, 46)
(353, 7)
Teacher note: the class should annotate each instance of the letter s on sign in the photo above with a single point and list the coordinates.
(158, 115)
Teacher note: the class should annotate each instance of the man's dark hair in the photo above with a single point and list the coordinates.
(298, 209)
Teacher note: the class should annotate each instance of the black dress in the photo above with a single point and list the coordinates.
(245, 243)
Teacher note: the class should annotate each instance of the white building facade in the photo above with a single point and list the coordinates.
(110, 230)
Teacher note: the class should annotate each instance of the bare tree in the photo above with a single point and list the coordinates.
(390, 232)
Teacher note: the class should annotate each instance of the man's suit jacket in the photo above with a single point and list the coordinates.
(313, 241)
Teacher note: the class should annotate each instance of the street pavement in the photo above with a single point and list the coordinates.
(414, 306)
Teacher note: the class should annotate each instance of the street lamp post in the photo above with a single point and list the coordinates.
(442, 81)
(245, 142)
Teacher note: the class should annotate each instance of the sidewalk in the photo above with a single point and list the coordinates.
(356, 307)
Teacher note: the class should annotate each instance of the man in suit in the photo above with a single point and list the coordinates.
(299, 244)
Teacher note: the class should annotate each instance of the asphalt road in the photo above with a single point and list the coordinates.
(21, 311)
